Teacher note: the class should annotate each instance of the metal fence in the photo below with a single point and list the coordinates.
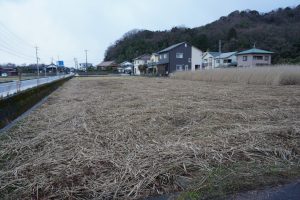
(11, 88)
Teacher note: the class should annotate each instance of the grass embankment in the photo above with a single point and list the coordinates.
(275, 75)
(134, 137)
(14, 106)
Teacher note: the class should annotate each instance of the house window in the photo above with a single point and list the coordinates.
(160, 57)
(218, 61)
(257, 58)
(197, 67)
(189, 60)
(245, 58)
(266, 58)
(165, 56)
(179, 55)
(186, 67)
(178, 67)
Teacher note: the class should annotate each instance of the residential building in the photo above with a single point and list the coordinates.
(254, 57)
(8, 69)
(209, 59)
(140, 61)
(152, 64)
(125, 67)
(107, 65)
(84, 66)
(179, 57)
(226, 59)
(196, 58)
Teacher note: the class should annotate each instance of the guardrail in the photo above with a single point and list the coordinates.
(11, 88)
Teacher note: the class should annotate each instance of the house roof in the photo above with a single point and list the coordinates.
(126, 63)
(226, 55)
(255, 51)
(144, 57)
(213, 53)
(107, 64)
(171, 47)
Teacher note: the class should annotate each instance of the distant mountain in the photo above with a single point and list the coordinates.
(277, 31)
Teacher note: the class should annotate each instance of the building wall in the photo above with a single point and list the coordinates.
(185, 62)
(211, 62)
(250, 62)
(136, 65)
(223, 64)
(196, 58)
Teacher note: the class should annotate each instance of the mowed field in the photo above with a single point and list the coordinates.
(130, 137)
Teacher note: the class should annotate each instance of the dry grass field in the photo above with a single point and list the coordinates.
(265, 75)
(105, 138)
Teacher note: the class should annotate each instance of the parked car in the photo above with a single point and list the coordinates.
(4, 75)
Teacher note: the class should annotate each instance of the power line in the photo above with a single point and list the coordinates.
(13, 54)
(15, 35)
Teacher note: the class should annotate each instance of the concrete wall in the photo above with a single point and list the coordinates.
(13, 107)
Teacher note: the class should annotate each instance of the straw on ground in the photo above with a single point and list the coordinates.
(133, 137)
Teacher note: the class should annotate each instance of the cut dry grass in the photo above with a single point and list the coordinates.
(275, 75)
(104, 138)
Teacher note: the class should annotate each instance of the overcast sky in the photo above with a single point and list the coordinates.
(65, 28)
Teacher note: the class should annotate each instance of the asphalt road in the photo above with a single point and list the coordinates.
(11, 88)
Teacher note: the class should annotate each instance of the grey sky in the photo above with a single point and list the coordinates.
(65, 28)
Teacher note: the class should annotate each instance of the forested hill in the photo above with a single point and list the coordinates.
(278, 31)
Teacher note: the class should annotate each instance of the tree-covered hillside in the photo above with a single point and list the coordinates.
(278, 31)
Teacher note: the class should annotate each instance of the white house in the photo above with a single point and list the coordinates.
(197, 60)
(141, 60)
(152, 63)
(125, 67)
(209, 59)
(226, 59)
(254, 57)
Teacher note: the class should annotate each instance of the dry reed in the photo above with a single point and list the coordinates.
(105, 138)
(275, 75)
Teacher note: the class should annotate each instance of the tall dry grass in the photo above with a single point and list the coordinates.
(268, 75)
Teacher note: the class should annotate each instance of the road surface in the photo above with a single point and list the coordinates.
(11, 88)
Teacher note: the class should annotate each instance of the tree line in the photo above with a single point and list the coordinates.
(277, 31)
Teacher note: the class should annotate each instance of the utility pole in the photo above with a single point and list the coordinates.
(57, 65)
(86, 62)
(37, 61)
(220, 46)
(76, 64)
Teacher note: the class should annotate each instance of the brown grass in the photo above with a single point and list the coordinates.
(125, 138)
(275, 75)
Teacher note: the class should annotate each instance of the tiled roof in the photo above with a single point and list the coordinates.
(107, 64)
(214, 54)
(227, 54)
(255, 51)
(171, 47)
(144, 57)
